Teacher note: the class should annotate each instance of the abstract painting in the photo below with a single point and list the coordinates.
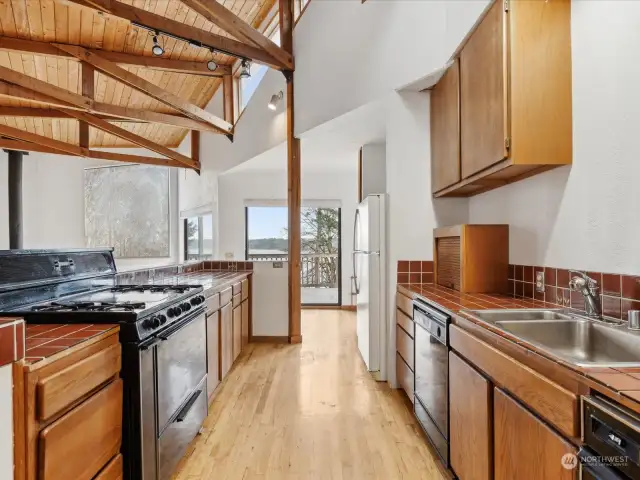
(127, 208)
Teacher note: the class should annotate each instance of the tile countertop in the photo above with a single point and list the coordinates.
(212, 282)
(622, 384)
(49, 341)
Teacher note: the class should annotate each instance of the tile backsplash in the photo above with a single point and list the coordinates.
(415, 271)
(618, 293)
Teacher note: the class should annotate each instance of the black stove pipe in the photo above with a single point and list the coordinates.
(15, 199)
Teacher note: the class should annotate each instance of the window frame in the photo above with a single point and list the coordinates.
(201, 255)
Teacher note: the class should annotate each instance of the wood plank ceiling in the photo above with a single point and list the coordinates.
(62, 22)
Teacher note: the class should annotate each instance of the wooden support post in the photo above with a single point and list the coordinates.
(195, 148)
(228, 99)
(88, 77)
(286, 12)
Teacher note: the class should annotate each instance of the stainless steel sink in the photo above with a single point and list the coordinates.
(577, 340)
(525, 314)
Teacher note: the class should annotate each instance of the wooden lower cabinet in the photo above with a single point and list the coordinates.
(226, 339)
(526, 448)
(237, 332)
(113, 470)
(470, 421)
(213, 354)
(245, 323)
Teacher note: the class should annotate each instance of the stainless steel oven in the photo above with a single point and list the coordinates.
(431, 363)
(171, 398)
(611, 436)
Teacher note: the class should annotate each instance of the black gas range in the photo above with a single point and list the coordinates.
(142, 310)
(163, 338)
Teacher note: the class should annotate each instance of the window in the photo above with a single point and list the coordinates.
(248, 86)
(127, 207)
(267, 234)
(198, 237)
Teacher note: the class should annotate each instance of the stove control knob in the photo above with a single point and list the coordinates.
(177, 311)
(151, 323)
(197, 300)
(162, 319)
(186, 306)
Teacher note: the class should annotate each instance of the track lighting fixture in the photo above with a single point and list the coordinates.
(157, 49)
(245, 69)
(275, 100)
(211, 64)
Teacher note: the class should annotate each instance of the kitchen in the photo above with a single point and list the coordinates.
(574, 217)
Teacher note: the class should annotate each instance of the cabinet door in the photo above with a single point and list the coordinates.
(237, 331)
(525, 448)
(245, 323)
(213, 342)
(445, 130)
(483, 102)
(470, 421)
(226, 340)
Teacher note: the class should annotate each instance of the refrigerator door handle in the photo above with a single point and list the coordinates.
(356, 222)
(354, 255)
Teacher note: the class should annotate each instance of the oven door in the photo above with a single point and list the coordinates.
(431, 376)
(181, 365)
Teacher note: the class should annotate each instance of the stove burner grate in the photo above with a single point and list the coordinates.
(152, 288)
(88, 306)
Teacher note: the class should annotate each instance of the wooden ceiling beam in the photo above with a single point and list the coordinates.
(51, 113)
(156, 63)
(146, 87)
(29, 88)
(133, 138)
(96, 154)
(219, 15)
(60, 147)
(153, 21)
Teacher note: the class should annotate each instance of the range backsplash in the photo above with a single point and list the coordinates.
(415, 271)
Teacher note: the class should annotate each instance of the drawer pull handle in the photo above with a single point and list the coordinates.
(187, 407)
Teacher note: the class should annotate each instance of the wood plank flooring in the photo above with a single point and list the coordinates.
(308, 411)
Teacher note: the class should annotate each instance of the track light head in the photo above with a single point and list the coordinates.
(275, 100)
(245, 69)
(157, 49)
(212, 65)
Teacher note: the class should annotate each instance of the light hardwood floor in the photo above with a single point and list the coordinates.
(308, 411)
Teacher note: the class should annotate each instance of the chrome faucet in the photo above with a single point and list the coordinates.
(590, 289)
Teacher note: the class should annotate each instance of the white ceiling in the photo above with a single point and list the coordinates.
(332, 146)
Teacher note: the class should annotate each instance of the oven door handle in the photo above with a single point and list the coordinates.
(187, 406)
(174, 329)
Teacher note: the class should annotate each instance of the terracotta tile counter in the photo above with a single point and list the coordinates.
(212, 282)
(50, 342)
(620, 384)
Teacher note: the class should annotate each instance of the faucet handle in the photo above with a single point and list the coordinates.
(634, 320)
(590, 282)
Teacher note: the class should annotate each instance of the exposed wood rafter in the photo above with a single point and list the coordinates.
(29, 88)
(88, 81)
(219, 15)
(156, 63)
(228, 98)
(146, 87)
(153, 21)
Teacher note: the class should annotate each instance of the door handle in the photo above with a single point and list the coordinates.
(187, 407)
(355, 275)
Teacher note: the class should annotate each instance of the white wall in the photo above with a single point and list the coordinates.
(412, 211)
(374, 168)
(237, 187)
(587, 215)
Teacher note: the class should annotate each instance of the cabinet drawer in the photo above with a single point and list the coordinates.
(213, 303)
(405, 377)
(405, 322)
(404, 345)
(237, 300)
(56, 392)
(113, 470)
(405, 304)
(245, 289)
(548, 399)
(237, 288)
(80, 443)
(225, 296)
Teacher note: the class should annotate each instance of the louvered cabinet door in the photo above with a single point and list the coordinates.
(448, 262)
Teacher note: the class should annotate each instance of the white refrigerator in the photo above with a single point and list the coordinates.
(369, 272)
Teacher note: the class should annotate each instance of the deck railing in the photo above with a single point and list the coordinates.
(317, 270)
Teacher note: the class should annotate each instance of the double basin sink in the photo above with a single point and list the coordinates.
(577, 340)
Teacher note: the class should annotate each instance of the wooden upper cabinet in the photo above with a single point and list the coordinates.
(445, 130)
(515, 98)
(470, 421)
(483, 95)
(525, 448)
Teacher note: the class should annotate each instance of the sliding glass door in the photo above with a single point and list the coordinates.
(321, 258)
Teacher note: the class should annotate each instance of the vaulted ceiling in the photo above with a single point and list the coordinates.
(41, 24)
